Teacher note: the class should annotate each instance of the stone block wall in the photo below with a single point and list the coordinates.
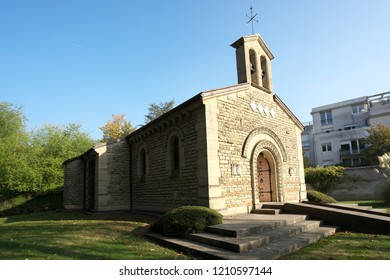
(359, 183)
(74, 184)
(160, 190)
(236, 120)
(112, 177)
(119, 171)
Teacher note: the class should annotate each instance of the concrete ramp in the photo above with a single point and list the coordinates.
(347, 218)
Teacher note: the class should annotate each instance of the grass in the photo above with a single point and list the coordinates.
(77, 236)
(349, 245)
(346, 246)
(120, 236)
(373, 203)
(25, 203)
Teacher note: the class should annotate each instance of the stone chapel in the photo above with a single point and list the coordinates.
(230, 149)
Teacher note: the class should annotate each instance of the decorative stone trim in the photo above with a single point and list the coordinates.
(266, 131)
(263, 110)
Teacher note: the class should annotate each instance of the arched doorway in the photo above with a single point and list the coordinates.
(264, 179)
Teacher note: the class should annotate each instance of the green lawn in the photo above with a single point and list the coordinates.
(77, 236)
(373, 203)
(346, 246)
(120, 236)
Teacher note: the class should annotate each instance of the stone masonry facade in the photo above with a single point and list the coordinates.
(203, 152)
(161, 189)
(242, 134)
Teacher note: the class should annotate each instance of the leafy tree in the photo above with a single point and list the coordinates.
(13, 141)
(117, 128)
(51, 145)
(32, 162)
(323, 179)
(157, 110)
(12, 123)
(377, 143)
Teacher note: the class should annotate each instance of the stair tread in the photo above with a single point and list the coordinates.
(260, 234)
(259, 223)
(270, 251)
(279, 248)
(244, 243)
(267, 211)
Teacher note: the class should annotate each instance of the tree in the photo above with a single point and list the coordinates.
(31, 162)
(117, 128)
(13, 142)
(157, 110)
(12, 123)
(50, 146)
(377, 143)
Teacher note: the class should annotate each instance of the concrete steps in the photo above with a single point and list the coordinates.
(277, 233)
(254, 240)
(271, 208)
(252, 236)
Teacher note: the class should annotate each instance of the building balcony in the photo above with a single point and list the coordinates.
(350, 152)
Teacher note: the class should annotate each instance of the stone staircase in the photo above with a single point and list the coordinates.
(253, 236)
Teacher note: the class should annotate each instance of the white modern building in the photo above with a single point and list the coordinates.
(336, 132)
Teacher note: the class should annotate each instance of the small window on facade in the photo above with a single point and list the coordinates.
(176, 155)
(326, 118)
(175, 160)
(327, 147)
(143, 162)
(142, 165)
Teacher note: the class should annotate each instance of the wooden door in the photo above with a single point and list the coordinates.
(264, 179)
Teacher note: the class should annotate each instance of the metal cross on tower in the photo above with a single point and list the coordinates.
(251, 19)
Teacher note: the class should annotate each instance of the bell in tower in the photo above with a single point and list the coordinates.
(254, 62)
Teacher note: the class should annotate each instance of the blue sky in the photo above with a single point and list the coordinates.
(79, 61)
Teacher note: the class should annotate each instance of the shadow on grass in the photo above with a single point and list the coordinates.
(75, 235)
(104, 240)
(68, 216)
(27, 203)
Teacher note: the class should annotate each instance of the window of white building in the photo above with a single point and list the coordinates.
(326, 118)
(357, 109)
(327, 147)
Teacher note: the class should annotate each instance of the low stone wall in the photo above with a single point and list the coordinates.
(359, 183)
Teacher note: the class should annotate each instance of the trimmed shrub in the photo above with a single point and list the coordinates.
(320, 197)
(186, 219)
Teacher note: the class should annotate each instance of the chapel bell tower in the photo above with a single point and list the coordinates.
(254, 62)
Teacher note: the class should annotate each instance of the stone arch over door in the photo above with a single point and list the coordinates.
(263, 134)
(270, 152)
